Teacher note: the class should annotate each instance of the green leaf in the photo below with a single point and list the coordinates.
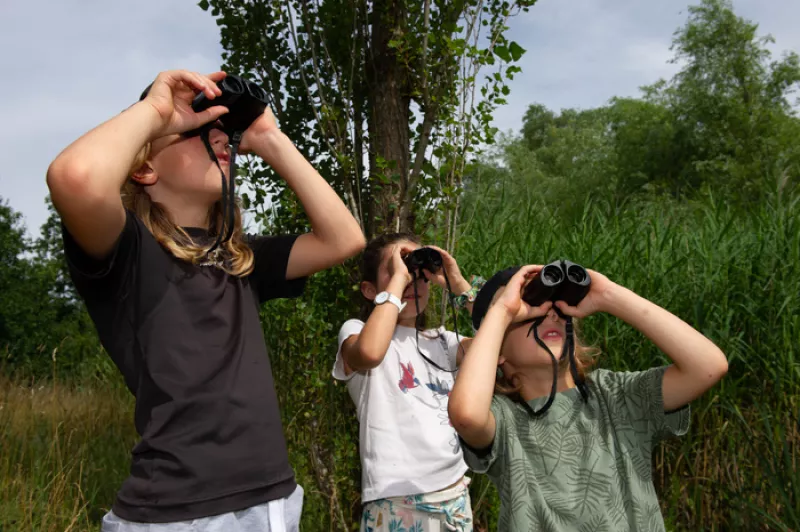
(203, 5)
(503, 53)
(516, 51)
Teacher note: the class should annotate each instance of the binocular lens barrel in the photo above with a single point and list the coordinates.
(232, 85)
(256, 91)
(576, 274)
(551, 275)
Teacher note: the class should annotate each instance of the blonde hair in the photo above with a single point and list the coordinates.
(173, 238)
(584, 359)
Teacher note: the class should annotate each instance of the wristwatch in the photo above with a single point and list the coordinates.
(386, 297)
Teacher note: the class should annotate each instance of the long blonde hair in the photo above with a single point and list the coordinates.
(173, 238)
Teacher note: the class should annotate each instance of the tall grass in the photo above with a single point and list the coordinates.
(63, 453)
(735, 276)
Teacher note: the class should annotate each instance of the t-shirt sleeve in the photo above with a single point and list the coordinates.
(104, 278)
(486, 460)
(271, 258)
(349, 328)
(637, 398)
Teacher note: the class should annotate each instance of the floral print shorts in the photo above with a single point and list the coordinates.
(448, 509)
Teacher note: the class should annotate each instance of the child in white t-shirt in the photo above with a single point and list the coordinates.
(399, 376)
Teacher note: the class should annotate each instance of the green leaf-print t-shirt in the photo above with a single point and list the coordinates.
(582, 466)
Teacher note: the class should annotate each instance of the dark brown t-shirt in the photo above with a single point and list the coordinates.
(189, 344)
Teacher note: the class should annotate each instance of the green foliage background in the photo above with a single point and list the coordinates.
(688, 195)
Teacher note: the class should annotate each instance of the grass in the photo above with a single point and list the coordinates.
(64, 447)
(63, 453)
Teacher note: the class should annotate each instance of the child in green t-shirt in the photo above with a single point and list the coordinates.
(579, 460)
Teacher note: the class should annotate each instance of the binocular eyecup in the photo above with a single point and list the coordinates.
(561, 280)
(423, 259)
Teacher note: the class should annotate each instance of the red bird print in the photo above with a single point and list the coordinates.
(408, 379)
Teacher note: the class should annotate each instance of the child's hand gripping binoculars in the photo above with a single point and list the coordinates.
(561, 280)
(244, 99)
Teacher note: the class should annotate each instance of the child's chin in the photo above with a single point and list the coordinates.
(543, 357)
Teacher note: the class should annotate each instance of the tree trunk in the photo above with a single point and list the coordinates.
(388, 116)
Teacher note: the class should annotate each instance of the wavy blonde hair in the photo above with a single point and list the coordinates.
(173, 238)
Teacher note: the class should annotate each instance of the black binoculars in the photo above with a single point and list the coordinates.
(561, 280)
(244, 99)
(423, 259)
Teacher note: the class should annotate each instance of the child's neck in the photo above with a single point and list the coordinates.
(538, 382)
(189, 216)
(183, 210)
(407, 322)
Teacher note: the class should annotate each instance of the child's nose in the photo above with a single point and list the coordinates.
(217, 135)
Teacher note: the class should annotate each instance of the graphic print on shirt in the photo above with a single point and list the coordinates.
(439, 387)
(433, 395)
(441, 393)
(407, 378)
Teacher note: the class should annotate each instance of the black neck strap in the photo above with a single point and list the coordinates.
(455, 317)
(569, 349)
(225, 231)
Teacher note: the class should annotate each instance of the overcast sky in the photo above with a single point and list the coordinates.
(68, 65)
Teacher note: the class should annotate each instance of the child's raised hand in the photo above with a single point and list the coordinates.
(458, 284)
(511, 299)
(172, 93)
(252, 136)
(593, 302)
(397, 267)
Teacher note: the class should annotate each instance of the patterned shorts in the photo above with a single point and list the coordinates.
(448, 509)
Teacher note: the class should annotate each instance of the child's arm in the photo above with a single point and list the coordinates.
(86, 177)
(471, 398)
(698, 363)
(364, 351)
(335, 235)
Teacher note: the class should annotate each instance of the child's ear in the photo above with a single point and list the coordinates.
(369, 290)
(145, 175)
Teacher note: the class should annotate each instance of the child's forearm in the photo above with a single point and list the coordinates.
(471, 398)
(331, 222)
(698, 361)
(370, 348)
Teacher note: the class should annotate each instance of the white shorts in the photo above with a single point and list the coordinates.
(281, 515)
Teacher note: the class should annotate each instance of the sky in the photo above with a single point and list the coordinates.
(69, 65)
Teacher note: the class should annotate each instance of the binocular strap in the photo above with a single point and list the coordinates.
(455, 318)
(228, 196)
(569, 348)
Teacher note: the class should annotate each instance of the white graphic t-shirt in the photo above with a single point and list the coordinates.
(407, 444)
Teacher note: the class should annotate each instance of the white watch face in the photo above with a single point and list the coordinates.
(383, 297)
